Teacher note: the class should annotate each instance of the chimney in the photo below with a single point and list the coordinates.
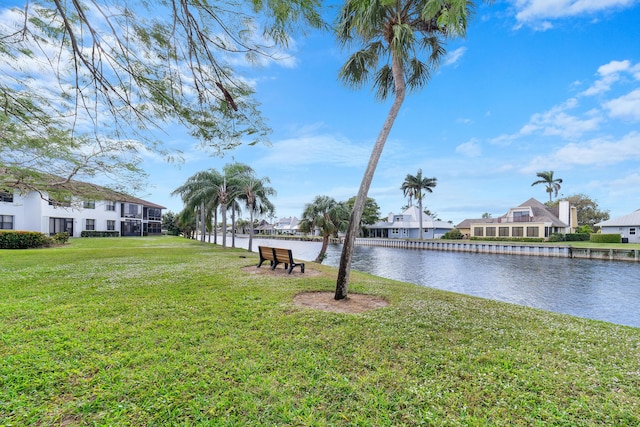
(563, 213)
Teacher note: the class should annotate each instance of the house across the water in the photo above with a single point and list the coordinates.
(407, 226)
(628, 226)
(530, 219)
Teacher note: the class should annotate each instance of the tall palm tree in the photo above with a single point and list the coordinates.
(233, 173)
(553, 185)
(199, 192)
(413, 186)
(255, 192)
(391, 34)
(327, 215)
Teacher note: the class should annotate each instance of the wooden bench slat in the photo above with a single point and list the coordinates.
(279, 256)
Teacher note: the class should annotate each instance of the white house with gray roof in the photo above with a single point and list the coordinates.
(628, 226)
(407, 226)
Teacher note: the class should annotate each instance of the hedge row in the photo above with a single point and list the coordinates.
(606, 238)
(12, 239)
(569, 237)
(100, 234)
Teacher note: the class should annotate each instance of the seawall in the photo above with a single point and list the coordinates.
(507, 248)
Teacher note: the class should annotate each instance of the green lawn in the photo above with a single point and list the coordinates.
(166, 331)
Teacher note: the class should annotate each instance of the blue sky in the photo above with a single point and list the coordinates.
(536, 85)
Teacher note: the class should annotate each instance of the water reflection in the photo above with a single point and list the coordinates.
(602, 290)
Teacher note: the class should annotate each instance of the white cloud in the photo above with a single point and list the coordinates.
(470, 149)
(557, 122)
(609, 74)
(536, 11)
(597, 152)
(455, 56)
(317, 149)
(626, 107)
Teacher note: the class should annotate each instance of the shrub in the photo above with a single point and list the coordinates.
(556, 237)
(90, 233)
(11, 239)
(577, 237)
(453, 234)
(61, 238)
(606, 238)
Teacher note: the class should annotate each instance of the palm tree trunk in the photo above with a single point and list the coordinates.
(233, 227)
(203, 224)
(420, 216)
(215, 226)
(223, 214)
(250, 228)
(342, 284)
(323, 249)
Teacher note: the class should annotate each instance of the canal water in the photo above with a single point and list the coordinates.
(594, 289)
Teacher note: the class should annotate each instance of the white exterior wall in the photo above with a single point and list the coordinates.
(31, 212)
(626, 232)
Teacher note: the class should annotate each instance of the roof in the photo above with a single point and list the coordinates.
(632, 219)
(80, 189)
(541, 213)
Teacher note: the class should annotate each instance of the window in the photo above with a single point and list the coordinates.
(129, 210)
(478, 231)
(521, 216)
(89, 204)
(6, 222)
(154, 214)
(59, 203)
(111, 205)
(111, 225)
(632, 231)
(5, 196)
(532, 231)
(90, 224)
(503, 231)
(154, 228)
(60, 225)
(517, 231)
(491, 231)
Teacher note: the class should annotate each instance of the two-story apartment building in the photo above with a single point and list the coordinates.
(35, 211)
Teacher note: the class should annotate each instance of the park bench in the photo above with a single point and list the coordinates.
(277, 256)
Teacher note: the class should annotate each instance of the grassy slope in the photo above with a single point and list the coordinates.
(165, 331)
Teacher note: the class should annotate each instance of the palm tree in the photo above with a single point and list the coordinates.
(328, 216)
(255, 192)
(553, 185)
(199, 192)
(413, 186)
(391, 34)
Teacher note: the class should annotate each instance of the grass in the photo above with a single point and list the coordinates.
(167, 331)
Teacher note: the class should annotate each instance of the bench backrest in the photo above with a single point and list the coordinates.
(266, 252)
(283, 255)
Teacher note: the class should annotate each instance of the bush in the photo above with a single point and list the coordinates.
(61, 238)
(91, 233)
(556, 237)
(454, 234)
(11, 239)
(606, 238)
(577, 237)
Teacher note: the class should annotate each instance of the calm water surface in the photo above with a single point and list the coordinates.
(602, 290)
